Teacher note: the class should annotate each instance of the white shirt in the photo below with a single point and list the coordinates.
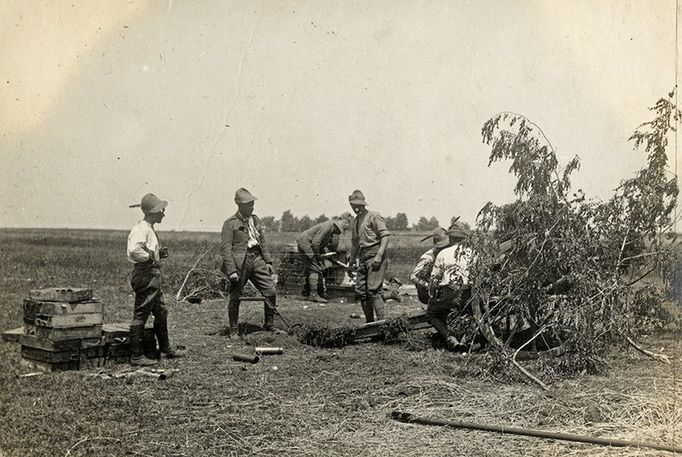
(451, 267)
(421, 273)
(142, 235)
(253, 234)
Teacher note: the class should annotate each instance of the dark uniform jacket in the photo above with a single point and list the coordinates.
(313, 241)
(234, 238)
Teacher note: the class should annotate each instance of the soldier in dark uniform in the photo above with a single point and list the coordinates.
(311, 244)
(369, 243)
(246, 257)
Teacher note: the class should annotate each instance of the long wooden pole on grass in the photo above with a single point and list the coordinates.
(411, 419)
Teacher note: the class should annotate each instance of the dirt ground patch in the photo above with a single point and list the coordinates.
(312, 401)
(309, 401)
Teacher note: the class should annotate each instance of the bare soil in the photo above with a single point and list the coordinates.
(308, 401)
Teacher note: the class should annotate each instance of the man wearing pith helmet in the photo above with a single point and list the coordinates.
(144, 252)
(369, 240)
(246, 257)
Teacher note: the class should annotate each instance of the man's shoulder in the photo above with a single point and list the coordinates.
(312, 229)
(231, 218)
(326, 225)
(139, 227)
(448, 252)
(232, 221)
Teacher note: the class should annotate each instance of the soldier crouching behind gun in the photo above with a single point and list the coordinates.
(421, 274)
(449, 284)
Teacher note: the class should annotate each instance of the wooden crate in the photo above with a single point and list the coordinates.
(80, 354)
(68, 321)
(33, 308)
(117, 335)
(341, 291)
(12, 336)
(118, 332)
(120, 352)
(63, 345)
(61, 334)
(81, 364)
(61, 294)
(69, 355)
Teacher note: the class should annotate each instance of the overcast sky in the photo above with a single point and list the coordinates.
(302, 102)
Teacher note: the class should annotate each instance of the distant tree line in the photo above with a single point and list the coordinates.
(290, 223)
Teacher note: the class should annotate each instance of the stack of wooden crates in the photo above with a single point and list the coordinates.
(64, 330)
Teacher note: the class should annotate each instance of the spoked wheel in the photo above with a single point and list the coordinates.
(508, 332)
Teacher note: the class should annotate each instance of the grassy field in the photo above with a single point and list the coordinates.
(309, 401)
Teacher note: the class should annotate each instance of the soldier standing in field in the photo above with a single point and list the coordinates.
(246, 257)
(144, 252)
(369, 242)
(312, 243)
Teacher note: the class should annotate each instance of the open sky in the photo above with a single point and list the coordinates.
(302, 102)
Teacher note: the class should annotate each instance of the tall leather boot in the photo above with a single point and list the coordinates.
(233, 317)
(367, 309)
(161, 332)
(136, 354)
(313, 279)
(377, 303)
(269, 311)
(306, 286)
(322, 287)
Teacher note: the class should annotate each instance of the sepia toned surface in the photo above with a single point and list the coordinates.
(302, 102)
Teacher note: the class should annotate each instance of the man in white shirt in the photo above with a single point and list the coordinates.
(144, 252)
(449, 286)
(421, 274)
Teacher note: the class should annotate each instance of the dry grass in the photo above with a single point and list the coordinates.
(308, 401)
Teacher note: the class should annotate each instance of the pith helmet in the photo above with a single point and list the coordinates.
(151, 204)
(346, 216)
(341, 224)
(357, 198)
(243, 196)
(440, 238)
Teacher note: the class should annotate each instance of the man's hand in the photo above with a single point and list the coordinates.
(270, 268)
(233, 277)
(375, 264)
(163, 252)
(149, 252)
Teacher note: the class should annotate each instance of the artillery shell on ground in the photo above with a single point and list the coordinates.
(269, 350)
(245, 358)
